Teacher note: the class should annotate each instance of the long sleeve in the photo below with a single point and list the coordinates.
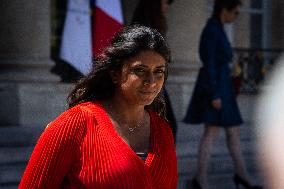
(54, 152)
(207, 51)
(81, 149)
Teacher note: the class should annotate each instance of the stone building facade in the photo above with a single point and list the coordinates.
(26, 39)
(31, 96)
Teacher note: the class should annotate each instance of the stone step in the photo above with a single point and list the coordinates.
(193, 133)
(10, 175)
(32, 103)
(15, 155)
(16, 146)
(220, 181)
(17, 136)
(9, 186)
(189, 149)
(217, 165)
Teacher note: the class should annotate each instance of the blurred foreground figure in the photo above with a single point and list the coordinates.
(270, 121)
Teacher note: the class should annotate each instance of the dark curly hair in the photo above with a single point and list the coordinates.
(126, 44)
(219, 5)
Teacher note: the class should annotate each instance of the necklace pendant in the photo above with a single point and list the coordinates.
(131, 129)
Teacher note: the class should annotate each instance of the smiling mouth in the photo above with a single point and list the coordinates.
(147, 92)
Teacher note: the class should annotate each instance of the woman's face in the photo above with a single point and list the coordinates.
(141, 78)
(231, 15)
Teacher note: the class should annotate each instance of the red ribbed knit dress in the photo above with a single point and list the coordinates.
(81, 149)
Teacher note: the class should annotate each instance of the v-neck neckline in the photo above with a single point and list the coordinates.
(150, 154)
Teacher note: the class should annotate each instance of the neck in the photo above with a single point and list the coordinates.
(122, 109)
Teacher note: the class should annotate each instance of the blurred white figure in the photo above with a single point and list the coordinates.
(270, 128)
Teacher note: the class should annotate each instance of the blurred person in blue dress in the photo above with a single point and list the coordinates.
(213, 102)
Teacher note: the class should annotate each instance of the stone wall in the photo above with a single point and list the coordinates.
(25, 30)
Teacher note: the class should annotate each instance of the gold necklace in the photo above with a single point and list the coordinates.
(133, 128)
(130, 129)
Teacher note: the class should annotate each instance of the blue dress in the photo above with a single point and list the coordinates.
(214, 81)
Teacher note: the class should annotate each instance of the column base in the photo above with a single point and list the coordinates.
(27, 70)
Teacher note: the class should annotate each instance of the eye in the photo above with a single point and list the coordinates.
(138, 71)
(160, 71)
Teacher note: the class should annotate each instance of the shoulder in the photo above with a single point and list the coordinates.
(71, 123)
(70, 127)
(90, 107)
(212, 27)
(71, 116)
(160, 123)
(82, 112)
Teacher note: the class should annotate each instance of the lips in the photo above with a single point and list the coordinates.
(148, 92)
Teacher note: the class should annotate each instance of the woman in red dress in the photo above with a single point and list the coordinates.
(111, 136)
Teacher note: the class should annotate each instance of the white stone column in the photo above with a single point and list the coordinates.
(25, 40)
(186, 19)
(29, 94)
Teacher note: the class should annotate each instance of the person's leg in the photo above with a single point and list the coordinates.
(234, 146)
(205, 146)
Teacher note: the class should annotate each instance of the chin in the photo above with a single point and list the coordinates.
(147, 101)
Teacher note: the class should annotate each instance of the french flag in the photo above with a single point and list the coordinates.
(84, 38)
(76, 44)
(107, 20)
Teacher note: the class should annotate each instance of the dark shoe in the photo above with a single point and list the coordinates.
(195, 184)
(239, 181)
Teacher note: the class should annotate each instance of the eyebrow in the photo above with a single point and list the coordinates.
(144, 66)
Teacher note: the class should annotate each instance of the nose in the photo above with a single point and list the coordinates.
(149, 79)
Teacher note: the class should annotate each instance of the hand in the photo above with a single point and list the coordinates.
(217, 104)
